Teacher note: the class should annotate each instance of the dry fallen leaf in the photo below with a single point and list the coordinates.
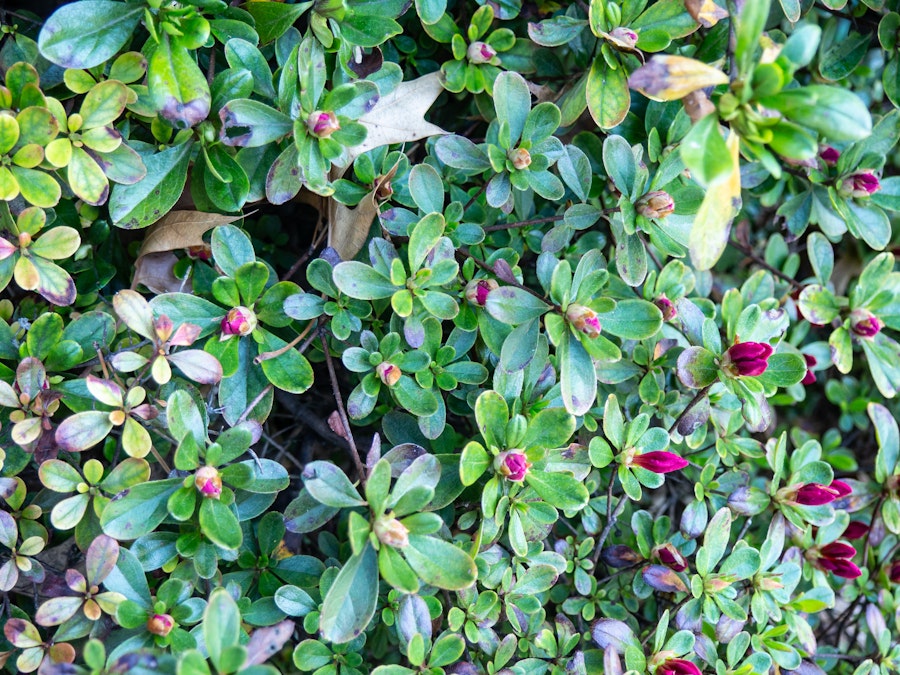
(181, 229)
(154, 271)
(705, 12)
(266, 642)
(350, 227)
(399, 117)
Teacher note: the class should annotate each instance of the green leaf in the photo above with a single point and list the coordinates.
(784, 370)
(88, 33)
(221, 624)
(219, 524)
(439, 563)
(329, 485)
(608, 98)
(715, 542)
(512, 101)
(362, 282)
(888, 437)
(559, 489)
(835, 112)
(136, 206)
(578, 380)
(704, 152)
(250, 124)
(749, 29)
(178, 88)
(513, 305)
(350, 602)
(632, 320)
(474, 462)
(140, 511)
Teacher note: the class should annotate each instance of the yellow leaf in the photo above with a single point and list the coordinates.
(668, 78)
(712, 225)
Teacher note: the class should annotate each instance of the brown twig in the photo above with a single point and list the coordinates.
(694, 401)
(342, 411)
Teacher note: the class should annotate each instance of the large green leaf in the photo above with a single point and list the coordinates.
(137, 206)
(440, 563)
(87, 33)
(350, 603)
(140, 511)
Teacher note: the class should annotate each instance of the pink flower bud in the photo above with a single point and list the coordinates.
(624, 37)
(208, 482)
(816, 494)
(656, 204)
(322, 124)
(894, 572)
(667, 307)
(677, 667)
(856, 529)
(659, 461)
(391, 532)
(520, 158)
(239, 321)
(477, 291)
(480, 52)
(671, 557)
(810, 377)
(747, 359)
(864, 324)
(835, 557)
(860, 184)
(584, 320)
(512, 465)
(160, 624)
(388, 373)
(829, 155)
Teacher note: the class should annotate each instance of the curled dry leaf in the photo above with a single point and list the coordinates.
(350, 226)
(175, 231)
(336, 425)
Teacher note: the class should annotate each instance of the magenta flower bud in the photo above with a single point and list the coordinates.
(829, 155)
(667, 307)
(512, 465)
(208, 482)
(520, 158)
(480, 52)
(864, 324)
(671, 557)
(322, 124)
(677, 667)
(836, 557)
(860, 184)
(624, 37)
(659, 461)
(894, 572)
(655, 204)
(160, 624)
(856, 529)
(388, 373)
(815, 494)
(747, 359)
(584, 320)
(238, 321)
(477, 291)
(810, 377)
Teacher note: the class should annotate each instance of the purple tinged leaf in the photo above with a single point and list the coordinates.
(101, 557)
(612, 633)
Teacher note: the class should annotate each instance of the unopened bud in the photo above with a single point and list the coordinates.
(239, 321)
(391, 532)
(208, 482)
(861, 184)
(322, 124)
(584, 320)
(624, 38)
(667, 307)
(655, 204)
(520, 158)
(477, 291)
(480, 52)
(160, 624)
(864, 324)
(829, 155)
(512, 465)
(388, 373)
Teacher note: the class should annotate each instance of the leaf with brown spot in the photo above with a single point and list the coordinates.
(266, 642)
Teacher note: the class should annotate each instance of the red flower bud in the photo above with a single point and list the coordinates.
(322, 124)
(810, 377)
(894, 572)
(238, 321)
(856, 529)
(677, 667)
(655, 204)
(747, 359)
(860, 184)
(815, 494)
(835, 557)
(667, 307)
(512, 465)
(160, 624)
(477, 291)
(208, 482)
(388, 373)
(480, 52)
(829, 155)
(671, 557)
(583, 319)
(864, 324)
(658, 461)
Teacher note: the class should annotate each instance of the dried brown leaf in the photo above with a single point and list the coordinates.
(705, 12)
(350, 226)
(181, 229)
(154, 271)
(266, 642)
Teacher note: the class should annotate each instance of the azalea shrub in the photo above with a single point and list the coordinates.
(465, 337)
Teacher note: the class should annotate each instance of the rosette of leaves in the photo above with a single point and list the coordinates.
(125, 406)
(477, 55)
(519, 148)
(100, 559)
(375, 356)
(174, 599)
(33, 405)
(776, 581)
(82, 510)
(699, 366)
(36, 651)
(254, 356)
(323, 124)
(870, 306)
(28, 258)
(379, 174)
(623, 32)
(196, 364)
(345, 313)
(28, 125)
(551, 477)
(416, 289)
(20, 560)
(393, 539)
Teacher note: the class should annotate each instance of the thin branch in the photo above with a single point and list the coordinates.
(747, 251)
(339, 400)
(694, 401)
